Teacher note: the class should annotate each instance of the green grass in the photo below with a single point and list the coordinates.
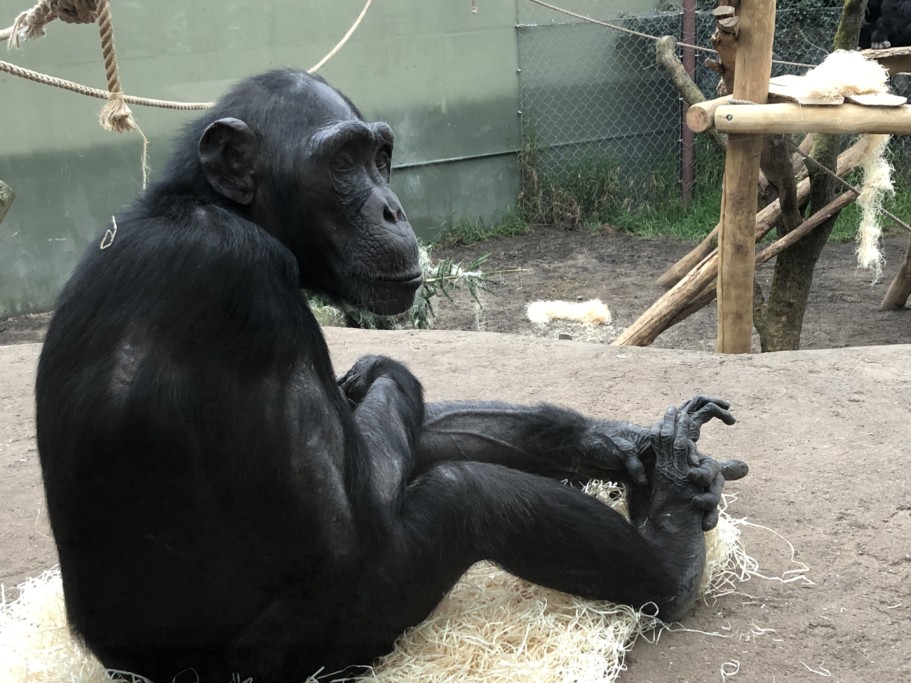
(510, 224)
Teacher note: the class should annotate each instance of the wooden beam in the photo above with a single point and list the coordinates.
(900, 289)
(769, 215)
(895, 59)
(700, 117)
(752, 70)
(762, 119)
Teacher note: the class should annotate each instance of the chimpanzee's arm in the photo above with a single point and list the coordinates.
(549, 440)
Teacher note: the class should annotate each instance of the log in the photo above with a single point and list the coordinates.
(762, 119)
(707, 295)
(701, 115)
(689, 91)
(6, 199)
(689, 295)
(672, 275)
(797, 160)
(666, 311)
(900, 289)
(769, 215)
(736, 238)
(813, 222)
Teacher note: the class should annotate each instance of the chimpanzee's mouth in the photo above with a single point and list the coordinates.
(410, 280)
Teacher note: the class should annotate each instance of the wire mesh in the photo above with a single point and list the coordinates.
(591, 95)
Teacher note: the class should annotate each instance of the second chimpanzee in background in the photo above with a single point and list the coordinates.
(887, 23)
(222, 505)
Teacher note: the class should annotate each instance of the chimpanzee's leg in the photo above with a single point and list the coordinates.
(460, 512)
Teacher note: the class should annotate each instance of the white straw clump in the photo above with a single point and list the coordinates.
(496, 628)
(492, 627)
(591, 312)
(35, 642)
(845, 72)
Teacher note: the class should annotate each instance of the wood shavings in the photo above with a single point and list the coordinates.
(492, 627)
(846, 72)
(591, 312)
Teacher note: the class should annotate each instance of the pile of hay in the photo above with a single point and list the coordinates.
(493, 627)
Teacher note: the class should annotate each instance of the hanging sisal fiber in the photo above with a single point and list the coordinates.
(848, 73)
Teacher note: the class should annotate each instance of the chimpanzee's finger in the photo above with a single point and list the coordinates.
(732, 470)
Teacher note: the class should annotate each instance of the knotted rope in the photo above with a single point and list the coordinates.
(115, 115)
(29, 25)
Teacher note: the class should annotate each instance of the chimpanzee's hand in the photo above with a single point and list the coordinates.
(614, 450)
(357, 382)
(701, 409)
(676, 433)
(632, 447)
(680, 475)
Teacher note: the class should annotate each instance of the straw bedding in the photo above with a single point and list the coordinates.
(493, 627)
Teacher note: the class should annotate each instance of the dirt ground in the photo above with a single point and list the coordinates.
(825, 433)
(622, 271)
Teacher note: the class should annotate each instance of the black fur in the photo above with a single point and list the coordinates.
(887, 23)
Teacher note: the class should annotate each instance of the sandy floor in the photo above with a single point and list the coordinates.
(825, 433)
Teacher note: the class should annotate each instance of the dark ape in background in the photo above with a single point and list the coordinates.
(221, 503)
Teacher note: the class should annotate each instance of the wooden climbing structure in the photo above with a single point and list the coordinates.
(759, 106)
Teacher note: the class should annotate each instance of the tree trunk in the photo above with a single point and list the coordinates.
(781, 319)
(664, 55)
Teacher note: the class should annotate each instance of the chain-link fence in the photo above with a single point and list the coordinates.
(596, 106)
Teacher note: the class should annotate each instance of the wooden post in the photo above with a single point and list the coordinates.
(6, 199)
(688, 138)
(737, 263)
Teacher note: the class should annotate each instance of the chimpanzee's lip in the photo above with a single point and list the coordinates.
(412, 279)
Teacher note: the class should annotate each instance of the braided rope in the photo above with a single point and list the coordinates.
(29, 25)
(43, 12)
(63, 84)
(74, 11)
(115, 115)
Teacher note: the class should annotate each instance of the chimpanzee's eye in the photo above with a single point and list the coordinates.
(383, 161)
(343, 162)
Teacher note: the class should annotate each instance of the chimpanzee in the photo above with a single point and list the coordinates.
(887, 23)
(222, 504)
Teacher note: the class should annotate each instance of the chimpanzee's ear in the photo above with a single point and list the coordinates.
(229, 152)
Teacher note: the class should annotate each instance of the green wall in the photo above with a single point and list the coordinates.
(444, 78)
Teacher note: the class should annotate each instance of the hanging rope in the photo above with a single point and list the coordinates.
(357, 22)
(63, 84)
(115, 115)
(30, 24)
